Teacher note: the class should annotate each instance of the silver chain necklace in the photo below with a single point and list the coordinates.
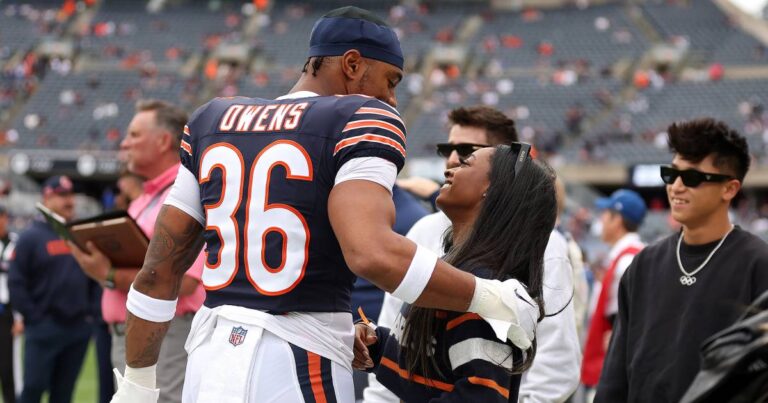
(688, 279)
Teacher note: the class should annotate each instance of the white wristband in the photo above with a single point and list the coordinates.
(145, 377)
(417, 276)
(148, 308)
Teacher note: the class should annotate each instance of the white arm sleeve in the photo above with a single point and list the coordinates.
(555, 373)
(185, 195)
(372, 169)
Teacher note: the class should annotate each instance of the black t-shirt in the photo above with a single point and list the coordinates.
(654, 353)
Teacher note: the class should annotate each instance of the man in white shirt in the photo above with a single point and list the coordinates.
(555, 371)
(622, 214)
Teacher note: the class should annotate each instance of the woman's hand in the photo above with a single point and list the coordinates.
(364, 337)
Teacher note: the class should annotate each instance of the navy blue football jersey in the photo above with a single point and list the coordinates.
(265, 170)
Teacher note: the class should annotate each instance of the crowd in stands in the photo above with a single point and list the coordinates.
(562, 74)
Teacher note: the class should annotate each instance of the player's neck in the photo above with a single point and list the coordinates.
(708, 230)
(318, 85)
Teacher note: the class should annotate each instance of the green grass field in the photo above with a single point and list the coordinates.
(87, 388)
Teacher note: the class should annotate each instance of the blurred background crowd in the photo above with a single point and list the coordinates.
(592, 84)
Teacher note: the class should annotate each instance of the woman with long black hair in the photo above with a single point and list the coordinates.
(502, 208)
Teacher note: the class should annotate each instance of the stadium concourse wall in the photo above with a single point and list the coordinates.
(605, 175)
(104, 166)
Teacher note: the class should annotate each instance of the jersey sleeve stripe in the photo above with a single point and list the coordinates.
(369, 137)
(461, 319)
(186, 130)
(186, 147)
(375, 124)
(432, 383)
(478, 348)
(490, 383)
(380, 112)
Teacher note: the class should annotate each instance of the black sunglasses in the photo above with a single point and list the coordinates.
(463, 149)
(691, 177)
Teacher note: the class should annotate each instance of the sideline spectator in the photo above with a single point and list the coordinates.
(622, 214)
(151, 150)
(11, 325)
(55, 299)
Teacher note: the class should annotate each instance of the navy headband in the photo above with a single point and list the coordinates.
(354, 28)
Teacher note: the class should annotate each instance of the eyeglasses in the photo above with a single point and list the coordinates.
(463, 149)
(691, 177)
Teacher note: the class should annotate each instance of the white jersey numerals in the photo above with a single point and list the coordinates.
(261, 218)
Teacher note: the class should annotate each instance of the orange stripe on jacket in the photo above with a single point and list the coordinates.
(461, 319)
(490, 383)
(186, 130)
(376, 124)
(316, 377)
(374, 138)
(416, 378)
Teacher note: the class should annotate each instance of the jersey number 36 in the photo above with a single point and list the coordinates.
(261, 218)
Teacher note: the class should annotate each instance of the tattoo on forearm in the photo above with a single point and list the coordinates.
(173, 247)
(152, 341)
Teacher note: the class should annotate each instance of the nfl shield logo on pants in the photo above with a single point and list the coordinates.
(237, 336)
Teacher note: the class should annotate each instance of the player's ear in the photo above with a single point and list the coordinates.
(352, 65)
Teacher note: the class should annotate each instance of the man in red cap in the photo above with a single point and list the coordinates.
(57, 301)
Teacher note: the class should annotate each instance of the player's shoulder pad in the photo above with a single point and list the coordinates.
(359, 101)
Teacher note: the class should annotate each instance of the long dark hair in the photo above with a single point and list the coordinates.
(508, 237)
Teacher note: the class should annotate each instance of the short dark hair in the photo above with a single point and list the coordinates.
(500, 128)
(315, 63)
(696, 139)
(167, 116)
(628, 225)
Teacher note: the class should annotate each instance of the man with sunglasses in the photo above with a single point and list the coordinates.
(471, 129)
(555, 372)
(687, 287)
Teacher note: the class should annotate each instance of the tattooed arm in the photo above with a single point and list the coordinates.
(175, 245)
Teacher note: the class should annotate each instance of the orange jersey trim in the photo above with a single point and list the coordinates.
(461, 319)
(416, 378)
(378, 111)
(374, 138)
(375, 124)
(489, 383)
(186, 147)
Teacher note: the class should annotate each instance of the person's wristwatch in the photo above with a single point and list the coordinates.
(109, 282)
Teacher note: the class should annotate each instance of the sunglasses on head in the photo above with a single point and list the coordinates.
(691, 177)
(523, 151)
(463, 149)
